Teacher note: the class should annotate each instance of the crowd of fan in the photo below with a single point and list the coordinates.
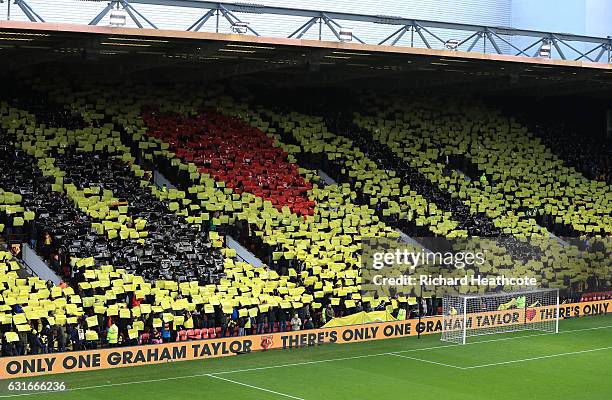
(59, 226)
(61, 231)
(590, 155)
(187, 253)
(476, 224)
(113, 331)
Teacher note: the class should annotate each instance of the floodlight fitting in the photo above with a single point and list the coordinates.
(345, 34)
(118, 18)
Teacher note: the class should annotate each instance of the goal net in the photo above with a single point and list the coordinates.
(465, 316)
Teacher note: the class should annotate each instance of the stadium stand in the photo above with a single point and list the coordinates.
(80, 162)
(89, 303)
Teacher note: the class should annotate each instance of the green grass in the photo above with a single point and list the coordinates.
(575, 364)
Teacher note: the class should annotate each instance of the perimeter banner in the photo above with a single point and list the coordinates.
(55, 363)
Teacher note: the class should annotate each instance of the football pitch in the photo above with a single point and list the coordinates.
(575, 364)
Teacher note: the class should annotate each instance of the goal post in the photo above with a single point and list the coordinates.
(465, 316)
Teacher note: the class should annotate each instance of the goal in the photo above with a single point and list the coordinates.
(465, 316)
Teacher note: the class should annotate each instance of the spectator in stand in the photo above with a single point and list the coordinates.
(112, 334)
(135, 302)
(224, 324)
(296, 323)
(60, 334)
(73, 337)
(8, 348)
(241, 326)
(423, 307)
(130, 342)
(329, 314)
(303, 312)
(55, 263)
(165, 332)
(282, 319)
(34, 235)
(231, 326)
(157, 336)
(196, 320)
(16, 250)
(17, 309)
(261, 317)
(46, 246)
(22, 344)
(35, 343)
(271, 318)
(48, 337)
(248, 325)
(210, 320)
(308, 323)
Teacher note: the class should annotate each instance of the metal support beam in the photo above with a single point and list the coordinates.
(421, 27)
(304, 28)
(131, 14)
(28, 11)
(418, 31)
(601, 53)
(378, 19)
(397, 39)
(493, 42)
(555, 38)
(510, 44)
(424, 28)
(102, 13)
(329, 24)
(558, 48)
(467, 39)
(586, 55)
(398, 34)
(524, 51)
(201, 21)
(476, 40)
(128, 6)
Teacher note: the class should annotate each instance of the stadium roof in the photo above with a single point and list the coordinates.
(178, 55)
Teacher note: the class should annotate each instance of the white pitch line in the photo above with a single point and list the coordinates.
(299, 363)
(255, 387)
(292, 364)
(503, 339)
(399, 351)
(425, 361)
(538, 358)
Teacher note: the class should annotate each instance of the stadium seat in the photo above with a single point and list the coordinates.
(212, 333)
